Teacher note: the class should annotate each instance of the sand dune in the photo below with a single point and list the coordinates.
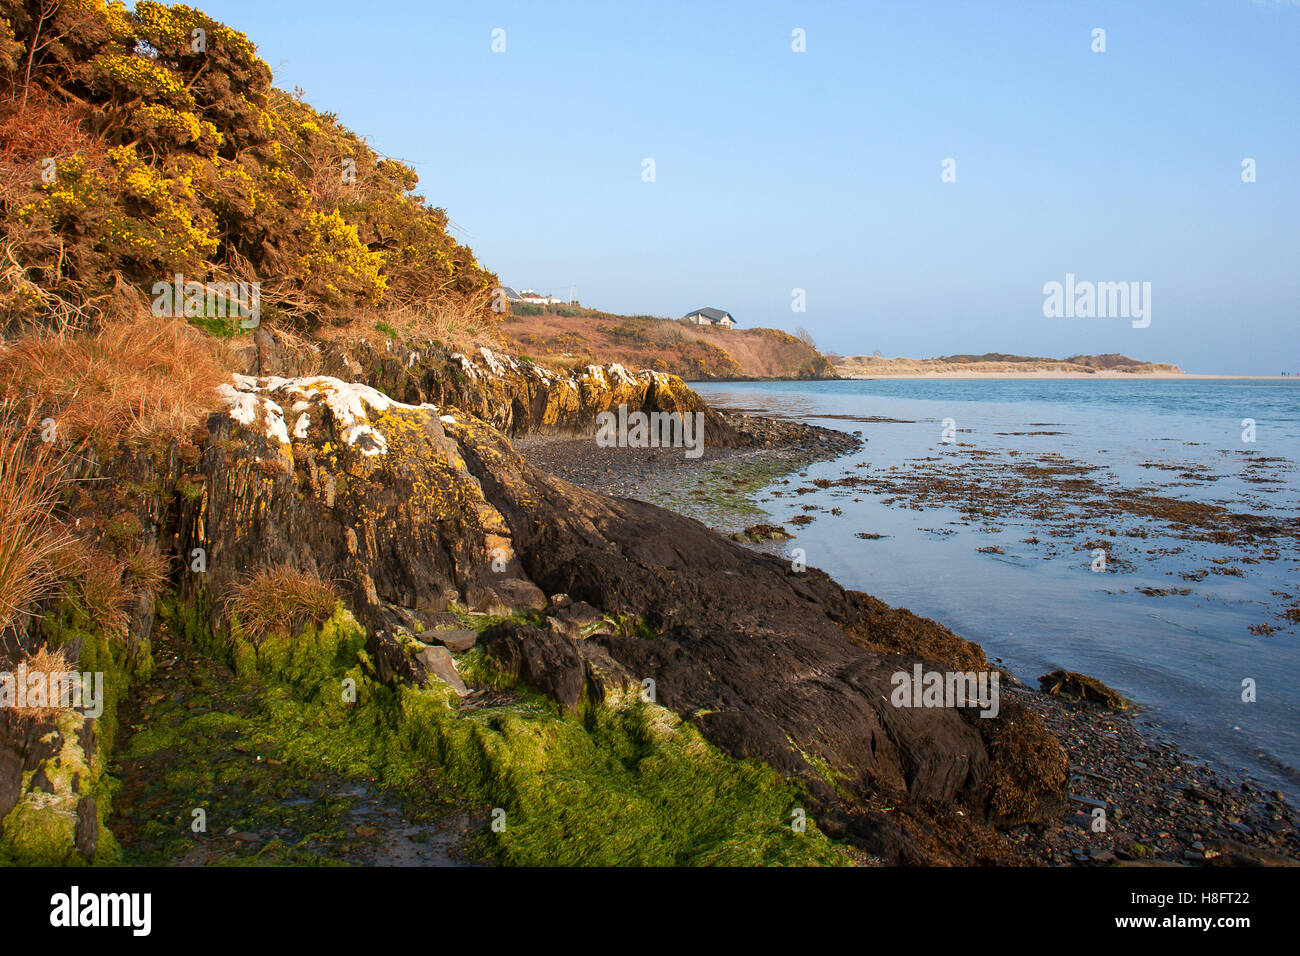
(1005, 366)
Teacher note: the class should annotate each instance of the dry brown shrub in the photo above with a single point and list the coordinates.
(461, 323)
(46, 662)
(43, 127)
(147, 569)
(280, 599)
(103, 592)
(32, 543)
(136, 380)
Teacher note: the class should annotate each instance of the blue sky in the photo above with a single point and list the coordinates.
(777, 170)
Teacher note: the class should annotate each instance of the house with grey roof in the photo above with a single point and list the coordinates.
(709, 316)
(533, 297)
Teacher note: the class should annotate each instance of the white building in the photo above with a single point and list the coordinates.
(710, 317)
(533, 297)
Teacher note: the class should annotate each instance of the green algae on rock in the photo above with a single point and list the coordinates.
(623, 782)
(57, 809)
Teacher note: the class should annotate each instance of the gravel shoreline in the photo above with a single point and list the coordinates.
(1161, 806)
(712, 488)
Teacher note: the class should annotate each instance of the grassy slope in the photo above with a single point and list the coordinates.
(581, 336)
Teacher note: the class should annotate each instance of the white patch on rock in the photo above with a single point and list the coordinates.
(648, 376)
(497, 365)
(619, 374)
(468, 367)
(243, 408)
(374, 444)
(275, 427)
(350, 404)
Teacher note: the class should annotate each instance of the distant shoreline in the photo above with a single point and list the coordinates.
(1044, 374)
(1010, 366)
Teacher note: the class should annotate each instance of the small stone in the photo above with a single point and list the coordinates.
(520, 594)
(437, 661)
(457, 641)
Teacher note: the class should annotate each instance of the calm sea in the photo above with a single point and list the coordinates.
(1182, 657)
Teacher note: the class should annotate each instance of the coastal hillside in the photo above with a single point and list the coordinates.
(148, 163)
(257, 480)
(575, 336)
(997, 363)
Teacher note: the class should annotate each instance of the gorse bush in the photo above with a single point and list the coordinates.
(144, 143)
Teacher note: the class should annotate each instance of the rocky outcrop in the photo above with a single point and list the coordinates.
(514, 396)
(410, 507)
(771, 663)
(370, 493)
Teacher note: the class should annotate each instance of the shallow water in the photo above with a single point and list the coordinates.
(1041, 606)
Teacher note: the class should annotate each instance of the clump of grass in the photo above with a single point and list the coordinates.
(32, 542)
(103, 592)
(40, 559)
(146, 569)
(47, 663)
(122, 528)
(136, 378)
(280, 600)
(462, 322)
(190, 488)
